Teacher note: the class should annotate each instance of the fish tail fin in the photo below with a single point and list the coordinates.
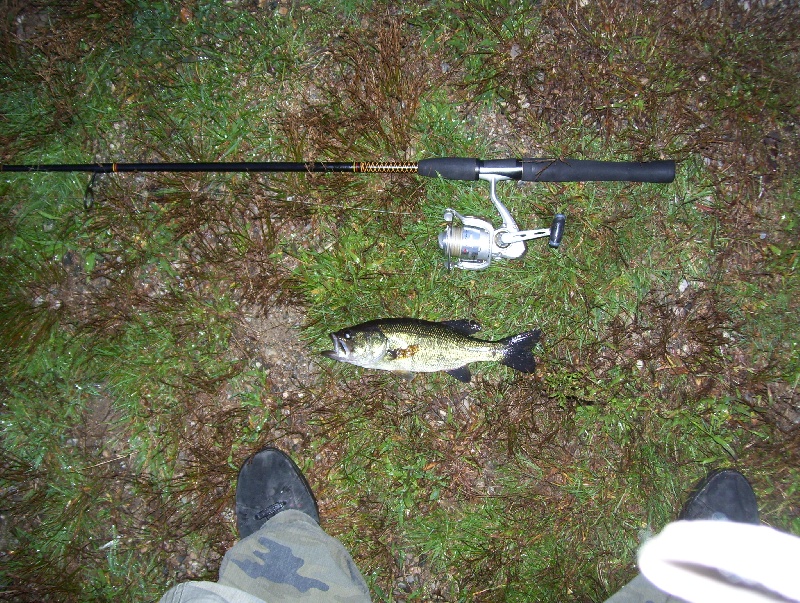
(519, 351)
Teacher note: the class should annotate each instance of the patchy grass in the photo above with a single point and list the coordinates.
(154, 341)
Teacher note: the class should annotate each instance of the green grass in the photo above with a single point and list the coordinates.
(154, 341)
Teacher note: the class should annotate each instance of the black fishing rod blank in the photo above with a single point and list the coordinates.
(474, 243)
(355, 167)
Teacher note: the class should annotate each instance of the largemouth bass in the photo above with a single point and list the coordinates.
(409, 345)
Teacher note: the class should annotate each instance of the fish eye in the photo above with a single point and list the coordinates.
(347, 334)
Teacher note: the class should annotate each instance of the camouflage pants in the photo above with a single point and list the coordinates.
(289, 559)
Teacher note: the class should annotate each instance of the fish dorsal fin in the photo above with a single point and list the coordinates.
(461, 373)
(465, 327)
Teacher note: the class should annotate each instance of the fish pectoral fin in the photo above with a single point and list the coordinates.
(465, 327)
(406, 375)
(461, 373)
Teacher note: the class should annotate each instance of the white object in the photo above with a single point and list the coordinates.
(723, 561)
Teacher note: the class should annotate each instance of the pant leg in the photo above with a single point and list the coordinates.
(206, 592)
(641, 590)
(292, 559)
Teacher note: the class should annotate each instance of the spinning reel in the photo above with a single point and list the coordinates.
(475, 243)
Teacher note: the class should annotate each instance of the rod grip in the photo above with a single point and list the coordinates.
(578, 170)
(449, 168)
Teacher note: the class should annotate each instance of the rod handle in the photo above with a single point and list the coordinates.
(548, 170)
(449, 168)
(579, 170)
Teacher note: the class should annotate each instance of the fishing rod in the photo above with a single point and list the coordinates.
(474, 243)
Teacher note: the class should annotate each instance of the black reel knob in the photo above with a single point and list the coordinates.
(557, 230)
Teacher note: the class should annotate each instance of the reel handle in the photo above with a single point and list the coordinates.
(557, 230)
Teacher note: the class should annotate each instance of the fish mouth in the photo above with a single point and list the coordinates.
(341, 349)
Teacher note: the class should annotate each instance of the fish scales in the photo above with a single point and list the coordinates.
(423, 348)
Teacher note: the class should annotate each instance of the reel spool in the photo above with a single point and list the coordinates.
(474, 243)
